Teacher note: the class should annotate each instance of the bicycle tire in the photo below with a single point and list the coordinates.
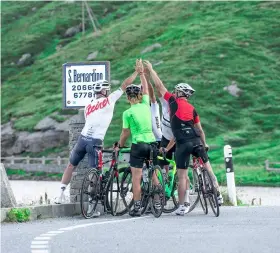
(158, 191)
(211, 194)
(195, 189)
(202, 197)
(173, 196)
(94, 194)
(124, 190)
(114, 198)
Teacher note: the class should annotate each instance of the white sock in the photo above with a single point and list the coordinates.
(187, 196)
(63, 186)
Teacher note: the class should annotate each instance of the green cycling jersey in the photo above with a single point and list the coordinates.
(138, 119)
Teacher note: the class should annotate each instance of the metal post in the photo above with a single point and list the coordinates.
(58, 160)
(27, 160)
(43, 160)
(230, 175)
(13, 160)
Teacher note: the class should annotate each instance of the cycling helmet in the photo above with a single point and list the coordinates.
(133, 90)
(100, 85)
(185, 88)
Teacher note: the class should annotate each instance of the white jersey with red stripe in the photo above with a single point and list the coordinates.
(156, 121)
(99, 114)
(165, 120)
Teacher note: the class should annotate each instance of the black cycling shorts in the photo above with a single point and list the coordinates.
(186, 148)
(169, 154)
(141, 151)
(85, 146)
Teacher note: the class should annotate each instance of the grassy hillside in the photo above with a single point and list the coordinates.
(206, 44)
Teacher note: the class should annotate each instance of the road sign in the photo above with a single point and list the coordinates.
(78, 80)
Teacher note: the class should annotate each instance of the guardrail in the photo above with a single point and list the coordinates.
(34, 164)
(268, 168)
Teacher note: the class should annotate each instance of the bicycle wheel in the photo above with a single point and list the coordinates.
(126, 191)
(202, 194)
(194, 190)
(157, 199)
(211, 193)
(90, 193)
(172, 203)
(114, 194)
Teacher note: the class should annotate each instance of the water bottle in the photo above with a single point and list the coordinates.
(145, 174)
(164, 174)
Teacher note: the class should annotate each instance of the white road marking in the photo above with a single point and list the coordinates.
(42, 238)
(39, 242)
(35, 242)
(39, 246)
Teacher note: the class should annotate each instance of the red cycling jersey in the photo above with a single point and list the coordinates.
(183, 116)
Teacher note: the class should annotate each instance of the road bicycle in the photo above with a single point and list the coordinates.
(152, 195)
(102, 187)
(202, 187)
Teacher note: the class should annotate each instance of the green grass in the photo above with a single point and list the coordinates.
(18, 215)
(207, 44)
(28, 175)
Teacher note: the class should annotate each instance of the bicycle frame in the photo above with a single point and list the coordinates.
(171, 176)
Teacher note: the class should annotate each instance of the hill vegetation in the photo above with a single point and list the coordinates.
(207, 44)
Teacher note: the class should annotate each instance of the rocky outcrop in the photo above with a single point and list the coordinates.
(72, 31)
(151, 48)
(233, 90)
(92, 56)
(45, 124)
(7, 195)
(50, 134)
(25, 60)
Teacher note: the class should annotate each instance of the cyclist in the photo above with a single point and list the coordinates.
(94, 130)
(156, 123)
(188, 133)
(137, 123)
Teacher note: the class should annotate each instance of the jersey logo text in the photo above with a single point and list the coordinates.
(91, 108)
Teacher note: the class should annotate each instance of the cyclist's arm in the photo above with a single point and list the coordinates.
(129, 80)
(144, 84)
(125, 130)
(170, 144)
(151, 91)
(161, 90)
(124, 136)
(202, 134)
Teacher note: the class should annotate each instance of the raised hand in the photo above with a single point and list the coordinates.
(148, 65)
(139, 66)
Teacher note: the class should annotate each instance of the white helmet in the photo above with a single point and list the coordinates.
(185, 88)
(100, 85)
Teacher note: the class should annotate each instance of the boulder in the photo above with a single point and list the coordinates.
(8, 137)
(151, 48)
(46, 124)
(7, 195)
(115, 82)
(233, 89)
(92, 56)
(25, 60)
(34, 9)
(72, 31)
(39, 141)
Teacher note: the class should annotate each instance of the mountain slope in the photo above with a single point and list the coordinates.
(209, 45)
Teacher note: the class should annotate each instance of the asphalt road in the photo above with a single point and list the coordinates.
(238, 229)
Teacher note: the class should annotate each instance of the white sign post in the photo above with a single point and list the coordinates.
(78, 80)
(230, 175)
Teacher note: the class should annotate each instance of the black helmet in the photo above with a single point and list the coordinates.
(133, 90)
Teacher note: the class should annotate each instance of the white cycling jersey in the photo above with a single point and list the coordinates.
(165, 120)
(99, 114)
(156, 121)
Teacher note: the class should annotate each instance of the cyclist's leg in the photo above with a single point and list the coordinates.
(77, 154)
(164, 164)
(137, 155)
(182, 160)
